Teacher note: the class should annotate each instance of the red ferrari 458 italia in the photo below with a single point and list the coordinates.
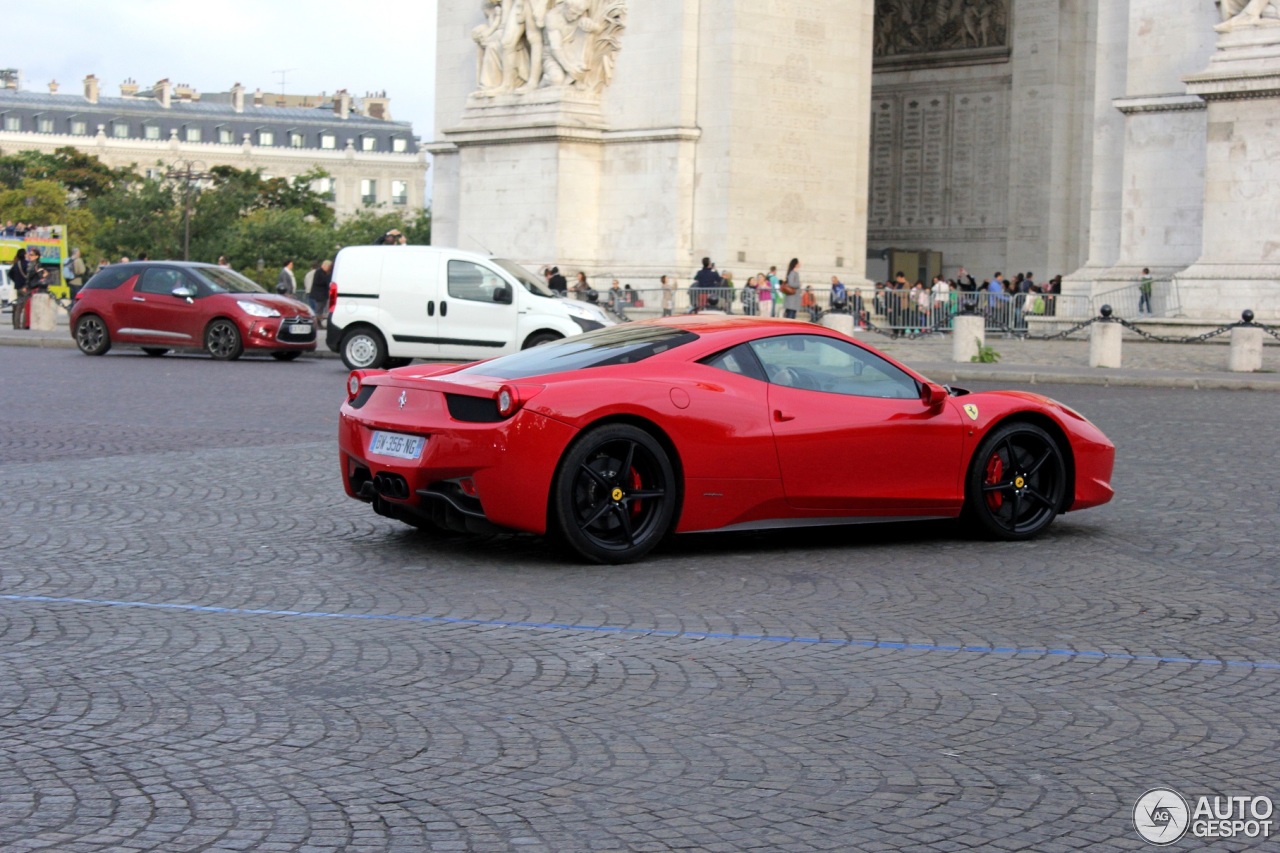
(614, 439)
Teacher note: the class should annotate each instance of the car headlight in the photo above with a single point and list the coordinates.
(255, 309)
(589, 312)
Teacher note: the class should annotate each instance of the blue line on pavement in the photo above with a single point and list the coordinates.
(1273, 666)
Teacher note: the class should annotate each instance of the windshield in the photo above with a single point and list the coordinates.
(522, 275)
(626, 344)
(222, 280)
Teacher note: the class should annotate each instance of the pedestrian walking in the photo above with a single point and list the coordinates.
(320, 291)
(791, 290)
(74, 272)
(286, 284)
(1146, 285)
(668, 296)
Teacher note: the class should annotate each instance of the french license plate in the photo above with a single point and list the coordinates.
(300, 329)
(397, 445)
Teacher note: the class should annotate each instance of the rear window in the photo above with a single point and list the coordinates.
(625, 344)
(110, 278)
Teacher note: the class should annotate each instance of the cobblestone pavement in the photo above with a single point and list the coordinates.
(204, 645)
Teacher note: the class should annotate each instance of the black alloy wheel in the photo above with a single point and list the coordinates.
(615, 494)
(92, 336)
(286, 356)
(1016, 482)
(155, 352)
(222, 340)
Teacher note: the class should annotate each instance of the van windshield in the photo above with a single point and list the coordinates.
(522, 275)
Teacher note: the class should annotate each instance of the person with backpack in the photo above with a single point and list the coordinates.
(74, 271)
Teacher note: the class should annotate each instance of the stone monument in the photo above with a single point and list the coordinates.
(631, 139)
(1239, 267)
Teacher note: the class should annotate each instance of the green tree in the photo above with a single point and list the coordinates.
(82, 175)
(44, 202)
(144, 217)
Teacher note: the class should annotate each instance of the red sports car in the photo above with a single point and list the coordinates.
(164, 305)
(614, 439)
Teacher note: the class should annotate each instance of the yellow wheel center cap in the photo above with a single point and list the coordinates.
(617, 495)
(1019, 482)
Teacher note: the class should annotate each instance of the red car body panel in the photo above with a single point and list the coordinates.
(748, 453)
(136, 317)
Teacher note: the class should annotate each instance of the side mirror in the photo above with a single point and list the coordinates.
(184, 291)
(502, 295)
(933, 395)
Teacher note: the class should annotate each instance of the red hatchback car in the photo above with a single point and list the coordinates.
(164, 305)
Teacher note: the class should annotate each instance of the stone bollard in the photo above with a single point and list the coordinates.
(43, 316)
(842, 323)
(1104, 341)
(968, 335)
(1246, 347)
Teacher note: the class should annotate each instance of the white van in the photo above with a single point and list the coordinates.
(397, 303)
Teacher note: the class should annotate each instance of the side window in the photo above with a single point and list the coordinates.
(473, 282)
(159, 281)
(739, 360)
(817, 363)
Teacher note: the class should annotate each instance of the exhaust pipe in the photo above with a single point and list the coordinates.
(391, 486)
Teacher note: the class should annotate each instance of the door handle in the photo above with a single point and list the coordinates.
(781, 417)
(431, 309)
(444, 308)
(138, 299)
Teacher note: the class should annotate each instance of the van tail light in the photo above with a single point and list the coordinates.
(511, 398)
(333, 296)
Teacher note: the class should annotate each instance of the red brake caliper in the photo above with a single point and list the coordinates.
(994, 475)
(635, 484)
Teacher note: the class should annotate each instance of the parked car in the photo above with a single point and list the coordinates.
(166, 305)
(397, 303)
(614, 439)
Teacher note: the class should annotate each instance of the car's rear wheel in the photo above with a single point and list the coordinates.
(155, 352)
(1016, 482)
(222, 340)
(92, 336)
(285, 356)
(363, 349)
(615, 494)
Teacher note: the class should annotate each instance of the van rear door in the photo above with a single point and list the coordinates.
(478, 312)
(410, 302)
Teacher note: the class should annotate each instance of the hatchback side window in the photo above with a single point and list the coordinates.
(473, 282)
(159, 281)
(110, 278)
(819, 363)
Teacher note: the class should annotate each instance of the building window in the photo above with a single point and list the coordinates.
(151, 131)
(194, 134)
(399, 144)
(225, 136)
(399, 192)
(324, 188)
(13, 123)
(79, 127)
(266, 138)
(152, 174)
(368, 143)
(44, 125)
(368, 191)
(120, 129)
(296, 140)
(328, 140)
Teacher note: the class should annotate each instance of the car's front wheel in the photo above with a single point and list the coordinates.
(615, 494)
(363, 349)
(91, 335)
(222, 340)
(1016, 482)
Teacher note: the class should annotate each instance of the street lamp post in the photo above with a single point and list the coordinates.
(189, 172)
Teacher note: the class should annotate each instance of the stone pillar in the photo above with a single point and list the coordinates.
(1246, 350)
(968, 335)
(1104, 344)
(43, 316)
(1239, 265)
(842, 323)
(645, 163)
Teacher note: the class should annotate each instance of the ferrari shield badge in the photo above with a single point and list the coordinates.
(404, 398)
(972, 411)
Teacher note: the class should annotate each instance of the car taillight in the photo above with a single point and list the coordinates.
(353, 385)
(333, 296)
(509, 401)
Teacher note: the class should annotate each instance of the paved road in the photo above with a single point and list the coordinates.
(205, 646)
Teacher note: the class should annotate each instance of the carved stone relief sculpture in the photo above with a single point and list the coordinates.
(1247, 13)
(526, 45)
(934, 26)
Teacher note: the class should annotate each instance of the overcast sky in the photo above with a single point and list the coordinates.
(326, 45)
